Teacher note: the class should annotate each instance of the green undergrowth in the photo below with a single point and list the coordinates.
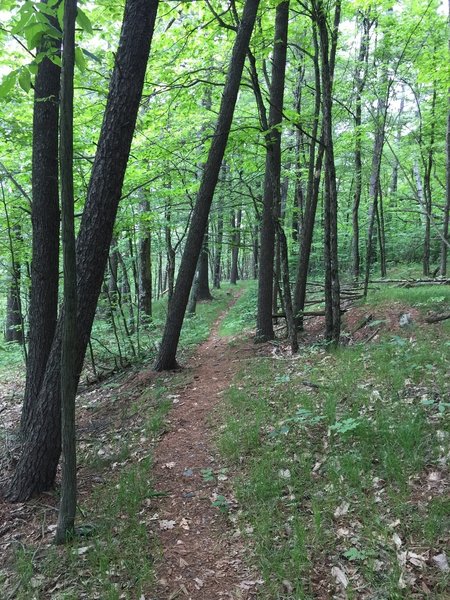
(141, 345)
(242, 315)
(117, 347)
(341, 461)
(434, 298)
(115, 559)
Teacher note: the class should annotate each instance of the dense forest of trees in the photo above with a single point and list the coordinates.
(269, 140)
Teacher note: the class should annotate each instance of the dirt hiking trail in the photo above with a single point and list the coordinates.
(202, 556)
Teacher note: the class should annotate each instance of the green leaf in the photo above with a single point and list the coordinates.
(56, 59)
(21, 24)
(33, 34)
(25, 79)
(7, 83)
(84, 21)
(60, 14)
(80, 61)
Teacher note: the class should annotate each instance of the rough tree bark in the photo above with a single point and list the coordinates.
(167, 354)
(43, 307)
(36, 468)
(332, 287)
(264, 323)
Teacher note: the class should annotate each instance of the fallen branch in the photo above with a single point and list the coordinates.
(375, 333)
(437, 318)
(362, 323)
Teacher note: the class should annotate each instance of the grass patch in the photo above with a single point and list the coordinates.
(242, 315)
(427, 297)
(330, 475)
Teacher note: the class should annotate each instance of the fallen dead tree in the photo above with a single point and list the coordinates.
(413, 282)
(437, 318)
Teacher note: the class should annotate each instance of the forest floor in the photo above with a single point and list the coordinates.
(253, 473)
(151, 490)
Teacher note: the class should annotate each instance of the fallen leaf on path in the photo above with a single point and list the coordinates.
(340, 576)
(165, 524)
(440, 560)
(341, 510)
(406, 580)
(199, 583)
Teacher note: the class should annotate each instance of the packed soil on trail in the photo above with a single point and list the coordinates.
(202, 556)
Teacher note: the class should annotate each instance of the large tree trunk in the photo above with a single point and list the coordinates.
(264, 323)
(177, 307)
(36, 469)
(332, 287)
(43, 307)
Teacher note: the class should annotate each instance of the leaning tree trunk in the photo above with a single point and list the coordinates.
(36, 469)
(43, 307)
(167, 354)
(264, 323)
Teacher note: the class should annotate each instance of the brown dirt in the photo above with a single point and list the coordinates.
(202, 556)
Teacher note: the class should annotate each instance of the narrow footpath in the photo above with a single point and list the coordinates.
(202, 555)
